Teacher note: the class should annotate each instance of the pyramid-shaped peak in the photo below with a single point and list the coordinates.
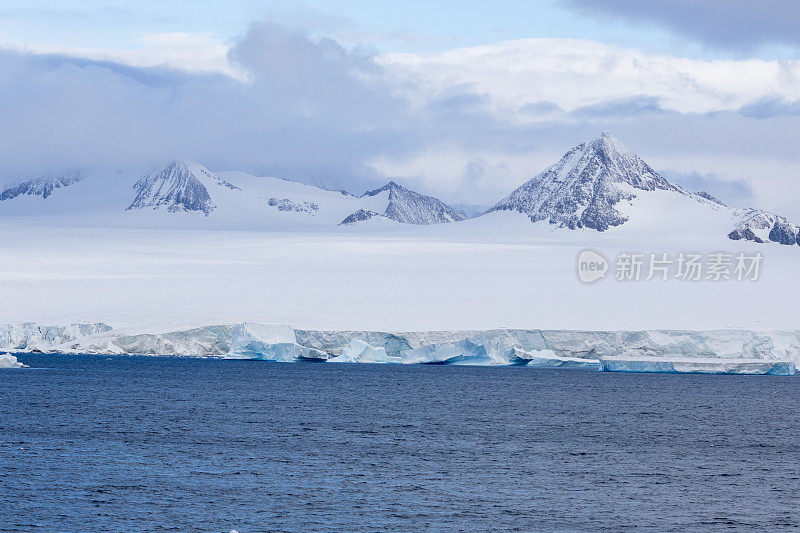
(582, 189)
(611, 144)
(175, 186)
(410, 207)
(183, 165)
(391, 186)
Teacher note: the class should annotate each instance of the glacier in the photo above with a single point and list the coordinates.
(697, 366)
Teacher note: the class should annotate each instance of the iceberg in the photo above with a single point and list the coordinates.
(697, 365)
(359, 351)
(270, 342)
(9, 361)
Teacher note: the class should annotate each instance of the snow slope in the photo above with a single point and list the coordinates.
(494, 271)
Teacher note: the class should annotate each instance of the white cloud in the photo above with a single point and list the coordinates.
(191, 52)
(460, 175)
(516, 77)
(577, 73)
(468, 125)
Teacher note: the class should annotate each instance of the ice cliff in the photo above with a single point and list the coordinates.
(697, 366)
(554, 348)
(30, 337)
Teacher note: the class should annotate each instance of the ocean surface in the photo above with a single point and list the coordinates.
(90, 443)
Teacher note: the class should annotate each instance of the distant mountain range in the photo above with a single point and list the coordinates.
(598, 185)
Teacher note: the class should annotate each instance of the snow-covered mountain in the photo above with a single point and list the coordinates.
(42, 186)
(177, 186)
(601, 184)
(598, 185)
(763, 226)
(582, 189)
(186, 194)
(403, 205)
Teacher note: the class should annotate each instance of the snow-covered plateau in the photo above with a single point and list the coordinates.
(179, 259)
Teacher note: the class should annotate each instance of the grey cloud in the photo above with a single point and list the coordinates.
(736, 193)
(320, 113)
(313, 111)
(540, 108)
(732, 24)
(621, 108)
(771, 107)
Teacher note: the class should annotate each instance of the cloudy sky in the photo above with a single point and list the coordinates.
(461, 99)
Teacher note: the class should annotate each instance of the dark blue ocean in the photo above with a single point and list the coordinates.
(167, 444)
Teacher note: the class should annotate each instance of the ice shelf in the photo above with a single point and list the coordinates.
(697, 366)
(716, 351)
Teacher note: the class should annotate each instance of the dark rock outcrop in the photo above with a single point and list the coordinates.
(359, 216)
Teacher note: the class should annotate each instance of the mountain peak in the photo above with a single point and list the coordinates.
(42, 186)
(583, 188)
(611, 143)
(409, 207)
(174, 186)
(391, 186)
